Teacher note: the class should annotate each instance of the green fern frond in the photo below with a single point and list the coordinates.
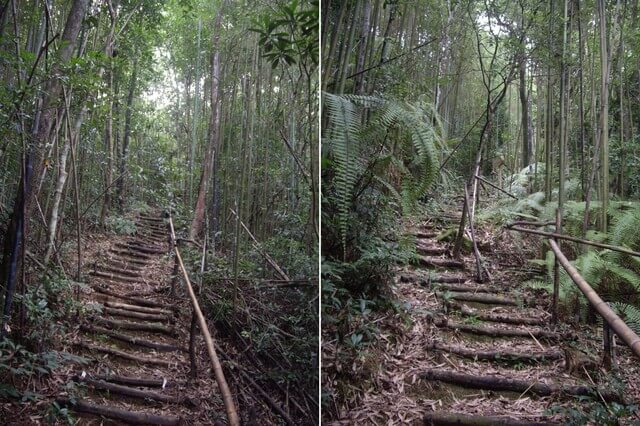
(344, 143)
(629, 314)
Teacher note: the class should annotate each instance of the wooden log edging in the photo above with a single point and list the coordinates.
(499, 383)
(131, 417)
(615, 322)
(446, 418)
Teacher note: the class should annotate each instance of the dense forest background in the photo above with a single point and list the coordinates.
(208, 109)
(538, 97)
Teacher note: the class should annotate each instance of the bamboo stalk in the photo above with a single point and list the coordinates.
(621, 329)
(229, 404)
(574, 239)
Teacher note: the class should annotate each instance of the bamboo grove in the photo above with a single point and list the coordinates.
(537, 97)
(207, 109)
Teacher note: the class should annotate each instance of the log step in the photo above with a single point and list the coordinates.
(481, 330)
(127, 260)
(440, 263)
(136, 300)
(138, 249)
(117, 270)
(135, 308)
(132, 340)
(499, 383)
(500, 356)
(133, 392)
(136, 326)
(493, 317)
(491, 299)
(131, 417)
(121, 354)
(135, 381)
(137, 315)
(431, 251)
(130, 254)
(446, 418)
(114, 277)
(449, 279)
(470, 288)
(425, 234)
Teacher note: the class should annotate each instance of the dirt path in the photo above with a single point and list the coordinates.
(478, 353)
(137, 336)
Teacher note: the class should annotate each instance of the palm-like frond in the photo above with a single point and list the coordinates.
(409, 150)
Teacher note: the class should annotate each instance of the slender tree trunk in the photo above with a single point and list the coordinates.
(213, 139)
(604, 112)
(524, 103)
(127, 135)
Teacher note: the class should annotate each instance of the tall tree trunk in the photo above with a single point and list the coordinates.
(127, 135)
(213, 139)
(524, 103)
(604, 113)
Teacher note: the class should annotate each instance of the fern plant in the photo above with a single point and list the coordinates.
(395, 149)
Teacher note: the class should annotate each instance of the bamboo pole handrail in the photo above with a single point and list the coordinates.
(574, 239)
(615, 322)
(232, 413)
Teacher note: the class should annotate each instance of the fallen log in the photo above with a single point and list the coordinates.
(497, 383)
(500, 332)
(125, 355)
(131, 417)
(114, 277)
(447, 418)
(136, 326)
(441, 263)
(133, 340)
(135, 393)
(138, 308)
(492, 317)
(492, 299)
(503, 356)
(137, 300)
(136, 315)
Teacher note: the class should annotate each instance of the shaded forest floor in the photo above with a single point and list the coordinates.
(437, 332)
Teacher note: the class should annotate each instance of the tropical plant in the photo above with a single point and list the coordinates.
(394, 146)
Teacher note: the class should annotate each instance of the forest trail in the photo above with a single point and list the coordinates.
(137, 338)
(480, 354)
